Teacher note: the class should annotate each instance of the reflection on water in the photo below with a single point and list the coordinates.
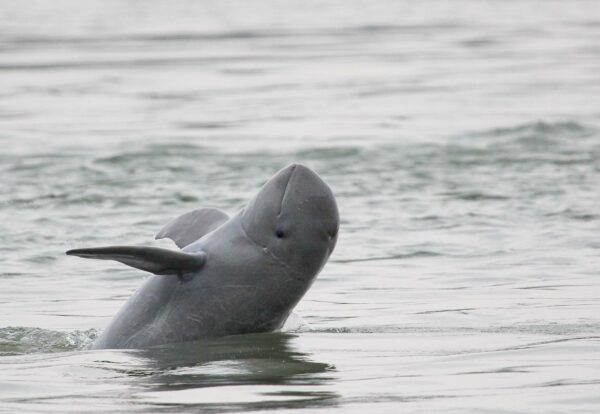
(264, 370)
(248, 372)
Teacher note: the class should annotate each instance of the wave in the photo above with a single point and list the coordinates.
(541, 128)
(588, 329)
(17, 340)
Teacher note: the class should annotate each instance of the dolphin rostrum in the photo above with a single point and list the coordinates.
(232, 275)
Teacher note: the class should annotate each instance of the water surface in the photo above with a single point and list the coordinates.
(462, 141)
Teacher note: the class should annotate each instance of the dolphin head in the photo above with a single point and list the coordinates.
(295, 219)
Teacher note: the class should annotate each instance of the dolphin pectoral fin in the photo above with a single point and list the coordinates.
(189, 227)
(151, 259)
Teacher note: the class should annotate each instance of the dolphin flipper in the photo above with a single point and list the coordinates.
(151, 259)
(189, 227)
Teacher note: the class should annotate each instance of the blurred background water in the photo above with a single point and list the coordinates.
(461, 138)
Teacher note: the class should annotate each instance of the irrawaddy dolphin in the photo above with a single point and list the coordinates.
(232, 275)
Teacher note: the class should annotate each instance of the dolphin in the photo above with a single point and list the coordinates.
(232, 275)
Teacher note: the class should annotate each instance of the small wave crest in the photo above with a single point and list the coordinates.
(16, 340)
(295, 323)
(536, 136)
(542, 128)
(589, 329)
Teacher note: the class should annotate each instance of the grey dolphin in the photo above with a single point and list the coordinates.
(232, 275)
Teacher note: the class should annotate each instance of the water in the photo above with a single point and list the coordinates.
(462, 140)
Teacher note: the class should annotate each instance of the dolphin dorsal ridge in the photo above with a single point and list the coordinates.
(189, 227)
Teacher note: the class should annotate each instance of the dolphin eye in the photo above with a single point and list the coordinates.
(279, 233)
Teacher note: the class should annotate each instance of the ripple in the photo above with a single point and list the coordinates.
(25, 340)
(417, 254)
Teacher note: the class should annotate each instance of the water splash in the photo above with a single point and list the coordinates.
(17, 340)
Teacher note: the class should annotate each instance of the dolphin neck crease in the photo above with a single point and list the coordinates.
(293, 273)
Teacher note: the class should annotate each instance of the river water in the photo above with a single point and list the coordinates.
(461, 139)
